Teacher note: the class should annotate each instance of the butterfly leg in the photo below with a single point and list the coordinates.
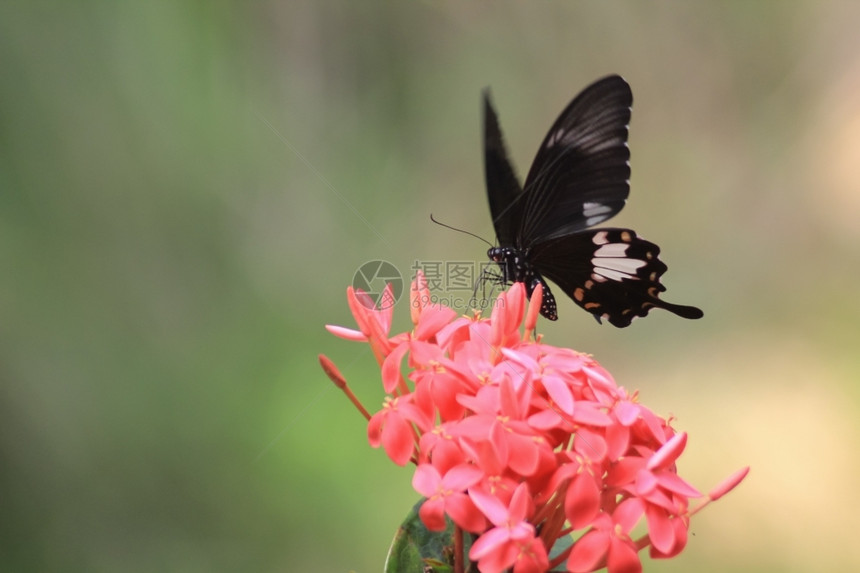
(487, 276)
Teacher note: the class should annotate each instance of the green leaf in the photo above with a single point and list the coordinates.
(415, 548)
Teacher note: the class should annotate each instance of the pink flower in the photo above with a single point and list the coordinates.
(665, 496)
(576, 478)
(447, 495)
(522, 442)
(609, 541)
(391, 427)
(494, 420)
(512, 542)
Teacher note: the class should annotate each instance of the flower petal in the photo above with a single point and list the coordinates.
(462, 477)
(397, 439)
(582, 502)
(534, 307)
(728, 484)
(432, 514)
(346, 333)
(559, 392)
(463, 512)
(433, 318)
(660, 529)
(627, 412)
(674, 483)
(532, 557)
(521, 503)
(589, 551)
(490, 505)
(490, 541)
(668, 452)
(391, 376)
(623, 557)
(426, 480)
(628, 513)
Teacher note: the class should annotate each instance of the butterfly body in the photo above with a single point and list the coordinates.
(517, 269)
(579, 178)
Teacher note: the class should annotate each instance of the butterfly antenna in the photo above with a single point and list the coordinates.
(460, 230)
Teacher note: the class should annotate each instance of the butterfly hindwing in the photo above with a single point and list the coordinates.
(611, 273)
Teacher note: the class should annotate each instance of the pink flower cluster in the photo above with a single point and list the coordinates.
(523, 443)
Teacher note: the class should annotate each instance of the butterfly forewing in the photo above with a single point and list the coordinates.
(580, 175)
(503, 187)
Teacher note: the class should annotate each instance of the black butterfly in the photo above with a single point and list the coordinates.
(580, 177)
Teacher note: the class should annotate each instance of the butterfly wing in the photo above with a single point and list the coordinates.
(503, 186)
(580, 175)
(611, 273)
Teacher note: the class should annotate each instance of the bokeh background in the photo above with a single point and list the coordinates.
(186, 189)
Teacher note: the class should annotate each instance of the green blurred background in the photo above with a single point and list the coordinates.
(187, 188)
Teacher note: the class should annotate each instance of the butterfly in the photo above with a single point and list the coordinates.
(579, 178)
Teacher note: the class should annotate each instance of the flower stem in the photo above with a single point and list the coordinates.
(458, 550)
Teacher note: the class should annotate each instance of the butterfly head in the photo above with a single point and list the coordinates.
(496, 254)
(513, 264)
